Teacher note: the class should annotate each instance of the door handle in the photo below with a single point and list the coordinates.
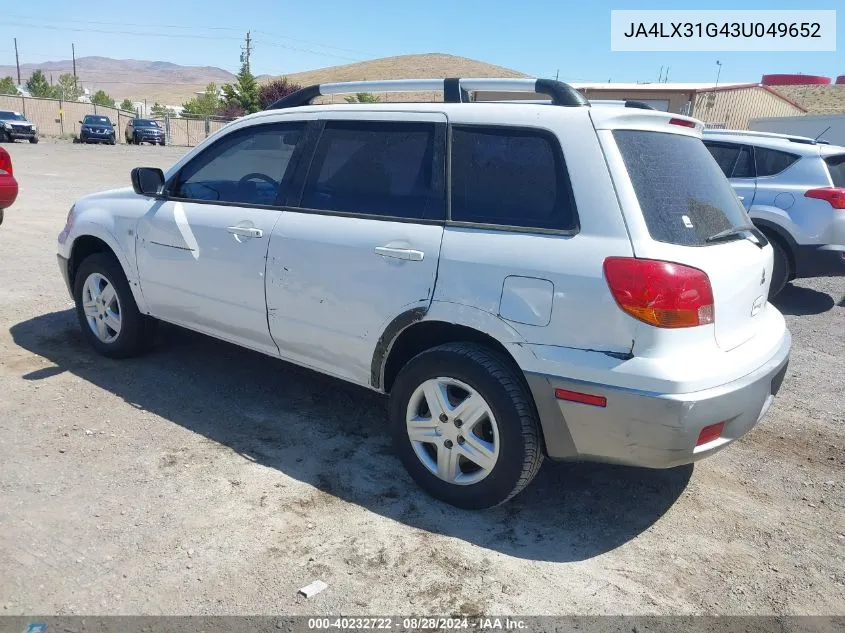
(245, 231)
(408, 254)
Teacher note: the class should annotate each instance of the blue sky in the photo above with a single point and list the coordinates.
(539, 37)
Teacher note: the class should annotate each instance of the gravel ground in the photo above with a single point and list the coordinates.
(207, 479)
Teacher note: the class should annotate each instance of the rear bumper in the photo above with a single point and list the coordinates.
(654, 430)
(819, 261)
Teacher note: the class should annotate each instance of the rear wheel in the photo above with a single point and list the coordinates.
(781, 269)
(106, 309)
(464, 427)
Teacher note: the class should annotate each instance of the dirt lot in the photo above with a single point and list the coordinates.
(206, 479)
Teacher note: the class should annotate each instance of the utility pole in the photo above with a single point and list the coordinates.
(17, 61)
(246, 50)
(73, 53)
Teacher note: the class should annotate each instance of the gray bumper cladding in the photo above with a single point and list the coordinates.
(648, 429)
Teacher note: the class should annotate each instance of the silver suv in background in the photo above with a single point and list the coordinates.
(793, 188)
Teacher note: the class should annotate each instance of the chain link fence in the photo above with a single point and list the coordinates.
(58, 118)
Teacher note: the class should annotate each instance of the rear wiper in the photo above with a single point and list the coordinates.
(745, 232)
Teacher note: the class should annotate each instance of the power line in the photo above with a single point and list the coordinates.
(138, 33)
(166, 26)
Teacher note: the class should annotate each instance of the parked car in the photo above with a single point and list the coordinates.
(522, 280)
(794, 190)
(14, 126)
(8, 184)
(97, 129)
(144, 131)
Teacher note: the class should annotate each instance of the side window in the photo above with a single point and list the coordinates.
(381, 168)
(246, 166)
(744, 166)
(725, 155)
(510, 177)
(772, 161)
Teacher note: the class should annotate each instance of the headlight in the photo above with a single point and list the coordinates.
(34, 128)
(8, 126)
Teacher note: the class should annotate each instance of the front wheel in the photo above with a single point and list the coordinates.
(106, 309)
(33, 140)
(464, 426)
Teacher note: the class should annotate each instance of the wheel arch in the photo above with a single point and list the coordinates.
(419, 329)
(100, 241)
(786, 241)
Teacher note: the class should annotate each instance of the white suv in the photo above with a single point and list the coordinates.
(524, 280)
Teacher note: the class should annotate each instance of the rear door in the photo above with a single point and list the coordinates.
(677, 202)
(737, 163)
(361, 247)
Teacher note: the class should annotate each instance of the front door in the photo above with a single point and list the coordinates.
(362, 246)
(202, 250)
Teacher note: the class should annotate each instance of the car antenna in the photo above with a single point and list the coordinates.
(820, 135)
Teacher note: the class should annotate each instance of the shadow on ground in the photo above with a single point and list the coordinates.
(800, 301)
(334, 436)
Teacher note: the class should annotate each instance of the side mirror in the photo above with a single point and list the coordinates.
(80, 123)
(148, 181)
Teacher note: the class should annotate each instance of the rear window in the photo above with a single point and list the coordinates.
(734, 160)
(682, 192)
(836, 167)
(510, 177)
(772, 161)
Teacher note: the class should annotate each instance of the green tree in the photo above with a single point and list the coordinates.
(67, 88)
(159, 110)
(38, 86)
(206, 104)
(7, 86)
(101, 98)
(244, 92)
(362, 97)
(126, 106)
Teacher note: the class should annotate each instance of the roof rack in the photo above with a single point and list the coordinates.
(455, 90)
(626, 103)
(806, 140)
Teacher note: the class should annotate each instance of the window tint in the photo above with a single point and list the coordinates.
(725, 156)
(683, 195)
(511, 177)
(744, 166)
(734, 160)
(390, 169)
(772, 161)
(836, 167)
(247, 166)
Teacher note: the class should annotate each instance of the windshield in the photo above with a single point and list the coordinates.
(836, 167)
(684, 196)
(145, 123)
(96, 120)
(11, 116)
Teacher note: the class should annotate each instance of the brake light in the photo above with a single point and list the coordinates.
(663, 294)
(5, 163)
(834, 195)
(682, 122)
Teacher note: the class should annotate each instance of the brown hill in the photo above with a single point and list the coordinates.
(817, 99)
(134, 79)
(426, 66)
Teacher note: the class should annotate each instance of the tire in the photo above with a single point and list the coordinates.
(161, 143)
(781, 270)
(34, 140)
(113, 141)
(509, 410)
(135, 330)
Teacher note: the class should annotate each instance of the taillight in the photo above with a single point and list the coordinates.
(834, 195)
(5, 163)
(682, 122)
(664, 294)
